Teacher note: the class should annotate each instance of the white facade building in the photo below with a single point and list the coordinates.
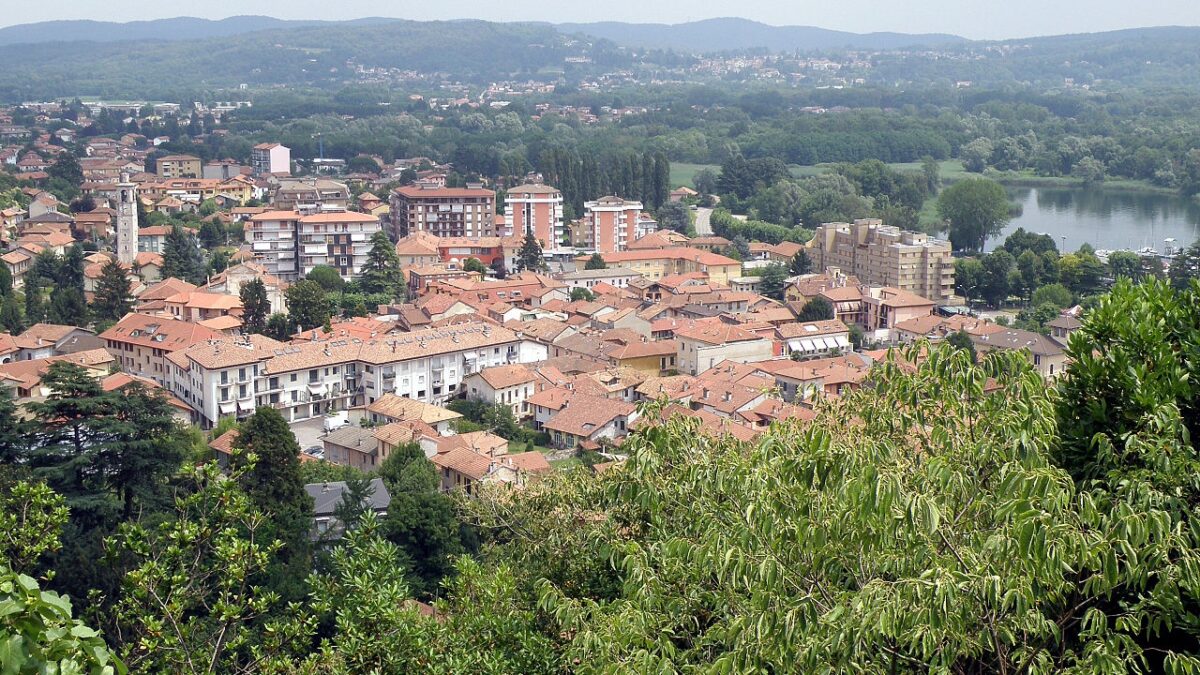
(232, 377)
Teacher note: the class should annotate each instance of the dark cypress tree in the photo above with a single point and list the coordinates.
(35, 307)
(662, 179)
(181, 257)
(255, 306)
(10, 315)
(14, 442)
(276, 487)
(647, 193)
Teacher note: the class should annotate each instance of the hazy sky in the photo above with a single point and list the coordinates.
(970, 18)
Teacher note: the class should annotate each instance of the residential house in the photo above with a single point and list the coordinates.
(140, 343)
(707, 342)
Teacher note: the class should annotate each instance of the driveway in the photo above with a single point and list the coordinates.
(309, 432)
(703, 227)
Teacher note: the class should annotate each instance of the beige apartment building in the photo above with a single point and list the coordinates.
(883, 255)
(178, 166)
(442, 211)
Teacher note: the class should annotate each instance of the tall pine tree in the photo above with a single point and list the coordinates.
(255, 306)
(381, 273)
(181, 257)
(530, 255)
(113, 299)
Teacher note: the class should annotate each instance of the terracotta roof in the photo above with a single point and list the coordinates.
(44, 334)
(554, 398)
(533, 188)
(205, 300)
(417, 192)
(678, 253)
(166, 288)
(502, 377)
(400, 408)
(158, 332)
(483, 442)
(465, 461)
(714, 332)
(585, 414)
(811, 329)
(28, 373)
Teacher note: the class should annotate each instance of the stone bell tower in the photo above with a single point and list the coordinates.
(127, 221)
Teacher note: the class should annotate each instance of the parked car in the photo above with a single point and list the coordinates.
(316, 451)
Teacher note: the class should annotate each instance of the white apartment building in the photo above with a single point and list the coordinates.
(707, 342)
(270, 158)
(232, 377)
(289, 244)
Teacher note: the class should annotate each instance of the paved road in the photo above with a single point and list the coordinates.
(703, 228)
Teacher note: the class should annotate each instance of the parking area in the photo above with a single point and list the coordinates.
(308, 432)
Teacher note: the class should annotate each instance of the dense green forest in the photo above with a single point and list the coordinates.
(952, 516)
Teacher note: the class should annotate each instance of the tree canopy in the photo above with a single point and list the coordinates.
(975, 210)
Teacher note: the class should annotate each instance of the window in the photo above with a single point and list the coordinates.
(224, 393)
(293, 377)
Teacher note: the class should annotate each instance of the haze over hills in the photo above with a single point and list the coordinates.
(726, 34)
(698, 36)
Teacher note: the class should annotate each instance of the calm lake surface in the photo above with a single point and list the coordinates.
(1106, 219)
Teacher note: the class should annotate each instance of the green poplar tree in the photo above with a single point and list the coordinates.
(113, 299)
(255, 306)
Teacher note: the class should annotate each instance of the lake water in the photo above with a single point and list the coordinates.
(1106, 219)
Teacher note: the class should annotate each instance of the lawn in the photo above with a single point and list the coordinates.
(682, 173)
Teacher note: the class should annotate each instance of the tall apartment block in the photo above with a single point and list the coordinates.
(270, 158)
(884, 255)
(289, 244)
(443, 212)
(613, 223)
(537, 208)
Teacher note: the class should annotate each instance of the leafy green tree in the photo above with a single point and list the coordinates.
(280, 326)
(705, 181)
(328, 277)
(995, 285)
(1082, 272)
(1052, 294)
(272, 481)
(773, 281)
(255, 306)
(596, 262)
(212, 234)
(45, 266)
(40, 634)
(800, 263)
(975, 155)
(1020, 241)
(1029, 273)
(474, 265)
(975, 210)
(529, 257)
(66, 168)
(968, 277)
(190, 602)
(420, 519)
(931, 171)
(816, 309)
(207, 208)
(6, 282)
(11, 319)
(308, 305)
(1125, 264)
(675, 216)
(961, 341)
(113, 299)
(31, 522)
(381, 273)
(1035, 318)
(181, 256)
(581, 293)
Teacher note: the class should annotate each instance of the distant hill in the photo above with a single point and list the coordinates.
(714, 35)
(178, 28)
